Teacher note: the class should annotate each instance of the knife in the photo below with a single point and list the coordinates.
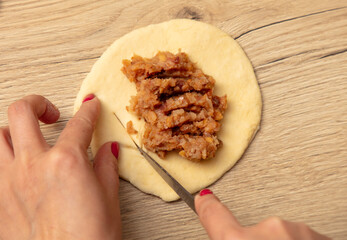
(171, 181)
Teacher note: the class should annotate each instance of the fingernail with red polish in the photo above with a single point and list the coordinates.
(88, 97)
(205, 192)
(115, 149)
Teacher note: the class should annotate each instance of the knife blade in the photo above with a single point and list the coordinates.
(171, 181)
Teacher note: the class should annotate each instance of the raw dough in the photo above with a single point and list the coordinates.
(218, 55)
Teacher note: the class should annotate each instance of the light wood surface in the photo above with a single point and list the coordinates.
(295, 168)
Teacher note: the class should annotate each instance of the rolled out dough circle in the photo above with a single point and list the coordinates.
(218, 55)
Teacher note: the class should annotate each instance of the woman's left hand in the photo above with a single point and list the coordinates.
(54, 192)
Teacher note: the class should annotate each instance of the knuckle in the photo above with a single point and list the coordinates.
(276, 224)
(64, 159)
(19, 106)
(274, 221)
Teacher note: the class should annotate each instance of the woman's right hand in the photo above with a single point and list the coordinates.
(220, 223)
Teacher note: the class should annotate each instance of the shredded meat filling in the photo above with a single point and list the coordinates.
(130, 128)
(176, 100)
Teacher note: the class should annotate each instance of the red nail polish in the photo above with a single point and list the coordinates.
(205, 192)
(115, 149)
(88, 97)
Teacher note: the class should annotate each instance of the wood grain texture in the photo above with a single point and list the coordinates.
(295, 168)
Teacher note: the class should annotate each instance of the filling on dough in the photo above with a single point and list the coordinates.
(176, 100)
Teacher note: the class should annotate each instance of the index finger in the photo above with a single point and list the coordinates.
(216, 218)
(79, 130)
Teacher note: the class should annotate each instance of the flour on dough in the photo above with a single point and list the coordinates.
(213, 51)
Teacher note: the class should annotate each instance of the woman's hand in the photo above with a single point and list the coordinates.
(220, 223)
(54, 192)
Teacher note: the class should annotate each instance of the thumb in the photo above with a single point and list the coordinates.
(216, 217)
(106, 169)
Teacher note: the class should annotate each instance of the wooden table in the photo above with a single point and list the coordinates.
(295, 168)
